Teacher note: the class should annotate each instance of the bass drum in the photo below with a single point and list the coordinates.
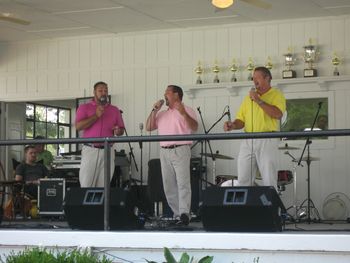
(284, 177)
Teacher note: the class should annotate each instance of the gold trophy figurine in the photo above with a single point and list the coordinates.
(250, 68)
(233, 69)
(216, 70)
(199, 71)
(269, 64)
(289, 62)
(335, 62)
(310, 56)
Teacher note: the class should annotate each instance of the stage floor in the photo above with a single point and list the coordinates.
(55, 223)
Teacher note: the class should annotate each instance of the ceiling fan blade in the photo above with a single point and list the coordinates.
(10, 18)
(258, 3)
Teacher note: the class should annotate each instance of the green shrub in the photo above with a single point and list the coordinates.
(36, 255)
(185, 258)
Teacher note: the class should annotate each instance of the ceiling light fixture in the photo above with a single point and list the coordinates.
(222, 3)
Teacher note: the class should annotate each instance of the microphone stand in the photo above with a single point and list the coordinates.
(205, 149)
(308, 162)
(141, 161)
(207, 141)
(131, 157)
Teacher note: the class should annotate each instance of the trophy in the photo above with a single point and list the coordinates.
(234, 69)
(289, 62)
(269, 64)
(250, 68)
(216, 70)
(310, 56)
(199, 71)
(335, 62)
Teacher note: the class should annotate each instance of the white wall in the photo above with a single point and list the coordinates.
(139, 66)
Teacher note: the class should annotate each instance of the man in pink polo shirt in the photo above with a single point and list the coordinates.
(97, 118)
(175, 156)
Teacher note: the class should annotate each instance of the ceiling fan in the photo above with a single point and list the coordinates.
(9, 17)
(222, 4)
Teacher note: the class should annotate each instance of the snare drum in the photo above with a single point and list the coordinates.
(284, 177)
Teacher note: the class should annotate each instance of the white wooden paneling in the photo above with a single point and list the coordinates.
(21, 56)
(84, 53)
(140, 50)
(63, 54)
(52, 56)
(95, 53)
(175, 48)
(42, 55)
(187, 48)
(32, 57)
(73, 54)
(106, 51)
(21, 84)
(163, 48)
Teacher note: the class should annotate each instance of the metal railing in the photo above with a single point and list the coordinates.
(154, 138)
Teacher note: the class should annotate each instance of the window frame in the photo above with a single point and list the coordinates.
(46, 122)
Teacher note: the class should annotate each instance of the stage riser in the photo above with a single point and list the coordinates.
(225, 247)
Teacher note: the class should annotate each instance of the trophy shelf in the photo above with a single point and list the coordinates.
(234, 88)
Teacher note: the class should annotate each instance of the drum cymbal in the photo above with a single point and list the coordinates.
(228, 176)
(287, 147)
(311, 158)
(217, 156)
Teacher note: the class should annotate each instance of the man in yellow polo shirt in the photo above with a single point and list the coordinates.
(260, 111)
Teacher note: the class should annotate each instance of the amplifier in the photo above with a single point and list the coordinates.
(51, 195)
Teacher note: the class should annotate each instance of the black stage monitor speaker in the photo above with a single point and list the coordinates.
(84, 209)
(242, 209)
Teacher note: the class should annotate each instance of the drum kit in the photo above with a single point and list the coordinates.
(286, 177)
(215, 156)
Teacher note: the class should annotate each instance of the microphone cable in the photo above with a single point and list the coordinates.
(252, 144)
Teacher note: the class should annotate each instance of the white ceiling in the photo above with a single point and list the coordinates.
(64, 18)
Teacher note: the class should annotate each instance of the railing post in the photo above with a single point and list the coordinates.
(107, 192)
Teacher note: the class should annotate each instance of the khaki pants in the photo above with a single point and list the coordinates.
(175, 166)
(91, 172)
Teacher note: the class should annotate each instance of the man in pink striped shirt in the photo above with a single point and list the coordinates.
(175, 156)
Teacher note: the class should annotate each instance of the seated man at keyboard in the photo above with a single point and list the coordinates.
(29, 172)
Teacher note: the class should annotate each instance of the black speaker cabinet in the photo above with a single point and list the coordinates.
(51, 195)
(155, 183)
(242, 209)
(84, 209)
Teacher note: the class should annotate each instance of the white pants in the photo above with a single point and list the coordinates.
(258, 154)
(175, 166)
(91, 172)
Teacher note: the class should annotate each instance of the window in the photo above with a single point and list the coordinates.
(50, 122)
(301, 114)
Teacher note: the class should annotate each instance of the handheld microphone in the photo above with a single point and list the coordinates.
(199, 110)
(159, 105)
(103, 100)
(253, 89)
(228, 113)
(141, 126)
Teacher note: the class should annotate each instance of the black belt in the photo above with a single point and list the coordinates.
(173, 146)
(94, 146)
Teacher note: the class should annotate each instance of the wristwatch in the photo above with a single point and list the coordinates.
(260, 102)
